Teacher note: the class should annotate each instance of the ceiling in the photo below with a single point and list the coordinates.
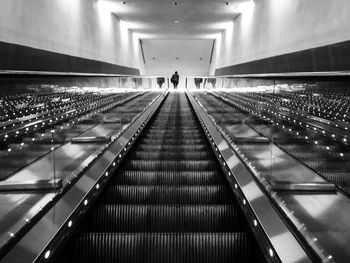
(189, 57)
(162, 19)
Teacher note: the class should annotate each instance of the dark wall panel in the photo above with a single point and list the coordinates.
(17, 57)
(334, 57)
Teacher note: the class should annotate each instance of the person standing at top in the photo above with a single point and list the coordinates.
(198, 82)
(160, 81)
(175, 79)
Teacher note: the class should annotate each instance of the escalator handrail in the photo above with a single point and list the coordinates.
(46, 235)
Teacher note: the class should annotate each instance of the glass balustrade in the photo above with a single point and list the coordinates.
(293, 135)
(52, 128)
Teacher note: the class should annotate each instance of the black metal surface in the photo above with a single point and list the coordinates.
(319, 59)
(18, 57)
(168, 202)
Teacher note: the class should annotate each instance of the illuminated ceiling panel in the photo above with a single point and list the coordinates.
(187, 19)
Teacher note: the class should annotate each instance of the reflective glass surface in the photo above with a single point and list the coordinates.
(52, 128)
(292, 134)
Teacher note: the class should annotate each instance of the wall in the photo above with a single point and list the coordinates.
(77, 28)
(193, 57)
(269, 28)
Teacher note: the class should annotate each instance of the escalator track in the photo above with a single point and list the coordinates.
(168, 202)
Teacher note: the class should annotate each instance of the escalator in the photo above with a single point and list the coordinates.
(168, 202)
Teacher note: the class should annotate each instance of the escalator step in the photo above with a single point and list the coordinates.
(311, 155)
(163, 247)
(180, 165)
(153, 135)
(187, 128)
(342, 179)
(172, 141)
(168, 178)
(178, 148)
(167, 195)
(170, 155)
(165, 218)
(335, 166)
(156, 131)
(170, 122)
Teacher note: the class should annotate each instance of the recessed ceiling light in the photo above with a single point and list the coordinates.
(176, 21)
(174, 3)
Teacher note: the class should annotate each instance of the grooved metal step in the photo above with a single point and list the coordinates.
(166, 132)
(172, 135)
(174, 127)
(181, 165)
(173, 141)
(170, 155)
(163, 247)
(129, 177)
(165, 218)
(177, 148)
(178, 194)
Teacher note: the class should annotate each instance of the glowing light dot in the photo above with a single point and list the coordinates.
(47, 254)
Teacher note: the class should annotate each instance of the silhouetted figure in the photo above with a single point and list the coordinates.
(212, 81)
(137, 82)
(175, 79)
(160, 81)
(197, 82)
